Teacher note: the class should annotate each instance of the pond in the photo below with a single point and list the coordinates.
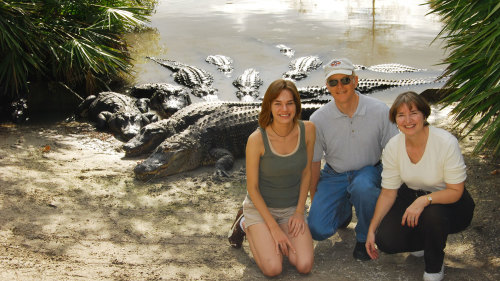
(367, 32)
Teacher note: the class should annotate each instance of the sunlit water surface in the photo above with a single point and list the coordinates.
(248, 31)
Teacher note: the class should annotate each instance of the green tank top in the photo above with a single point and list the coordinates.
(280, 175)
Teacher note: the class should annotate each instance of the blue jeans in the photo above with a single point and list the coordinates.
(336, 193)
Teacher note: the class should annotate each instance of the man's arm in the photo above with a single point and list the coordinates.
(315, 171)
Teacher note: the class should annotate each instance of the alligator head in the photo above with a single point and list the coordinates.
(126, 125)
(294, 75)
(170, 157)
(149, 137)
(247, 94)
(206, 92)
(167, 102)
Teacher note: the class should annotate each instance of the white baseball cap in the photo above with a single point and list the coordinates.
(338, 66)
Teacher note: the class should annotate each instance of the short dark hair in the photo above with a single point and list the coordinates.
(411, 99)
(272, 93)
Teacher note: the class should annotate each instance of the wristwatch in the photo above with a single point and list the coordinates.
(429, 198)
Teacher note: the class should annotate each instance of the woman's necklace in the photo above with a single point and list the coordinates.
(279, 134)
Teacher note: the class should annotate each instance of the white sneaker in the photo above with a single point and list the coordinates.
(434, 276)
(417, 254)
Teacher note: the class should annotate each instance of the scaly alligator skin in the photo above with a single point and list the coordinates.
(248, 85)
(199, 80)
(389, 68)
(216, 138)
(285, 50)
(300, 67)
(370, 85)
(309, 92)
(165, 98)
(122, 115)
(224, 64)
(153, 134)
(365, 86)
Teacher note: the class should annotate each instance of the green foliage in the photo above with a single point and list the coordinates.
(74, 42)
(472, 34)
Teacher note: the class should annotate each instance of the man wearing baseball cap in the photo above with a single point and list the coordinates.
(351, 132)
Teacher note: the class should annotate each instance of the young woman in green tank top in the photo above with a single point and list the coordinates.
(278, 168)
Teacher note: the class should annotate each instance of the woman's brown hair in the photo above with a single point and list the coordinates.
(272, 93)
(411, 99)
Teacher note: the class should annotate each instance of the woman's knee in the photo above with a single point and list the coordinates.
(304, 265)
(271, 268)
(383, 245)
(386, 243)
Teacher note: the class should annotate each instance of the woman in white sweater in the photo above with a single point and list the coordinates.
(423, 198)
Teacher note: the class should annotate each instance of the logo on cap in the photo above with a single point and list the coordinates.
(335, 63)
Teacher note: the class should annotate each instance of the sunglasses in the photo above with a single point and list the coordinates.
(334, 82)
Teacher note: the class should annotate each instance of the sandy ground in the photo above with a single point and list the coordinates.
(70, 209)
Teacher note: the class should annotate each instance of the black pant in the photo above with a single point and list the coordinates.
(434, 224)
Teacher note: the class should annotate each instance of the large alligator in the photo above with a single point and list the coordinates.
(224, 64)
(165, 98)
(121, 114)
(300, 67)
(248, 85)
(153, 134)
(389, 68)
(199, 80)
(216, 138)
(365, 86)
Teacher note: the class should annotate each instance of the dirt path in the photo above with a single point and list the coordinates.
(70, 209)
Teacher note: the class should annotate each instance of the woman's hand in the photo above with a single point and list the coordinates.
(281, 241)
(412, 213)
(370, 245)
(296, 224)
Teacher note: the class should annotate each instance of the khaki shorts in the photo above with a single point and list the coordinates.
(252, 215)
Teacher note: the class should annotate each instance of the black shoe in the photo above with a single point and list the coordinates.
(346, 223)
(236, 234)
(360, 253)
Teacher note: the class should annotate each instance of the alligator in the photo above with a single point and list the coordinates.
(199, 80)
(224, 64)
(285, 50)
(248, 85)
(153, 134)
(312, 92)
(166, 99)
(389, 68)
(216, 138)
(300, 67)
(370, 85)
(123, 115)
(365, 86)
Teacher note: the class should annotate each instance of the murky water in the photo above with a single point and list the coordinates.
(248, 31)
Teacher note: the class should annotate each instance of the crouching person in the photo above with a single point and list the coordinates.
(423, 198)
(278, 168)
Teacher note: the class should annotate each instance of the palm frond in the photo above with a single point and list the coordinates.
(472, 34)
